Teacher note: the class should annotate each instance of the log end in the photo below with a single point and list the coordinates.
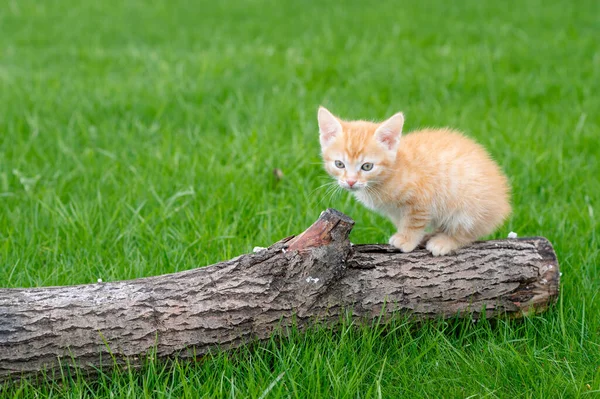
(537, 296)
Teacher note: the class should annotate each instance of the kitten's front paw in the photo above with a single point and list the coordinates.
(404, 243)
(440, 245)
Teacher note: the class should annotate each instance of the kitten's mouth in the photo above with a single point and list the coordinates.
(356, 186)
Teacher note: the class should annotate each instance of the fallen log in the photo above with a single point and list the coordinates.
(314, 276)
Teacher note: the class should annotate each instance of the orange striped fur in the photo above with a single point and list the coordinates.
(434, 178)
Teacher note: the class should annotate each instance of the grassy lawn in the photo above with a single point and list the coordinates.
(139, 138)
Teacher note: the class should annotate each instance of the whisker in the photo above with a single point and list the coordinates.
(331, 186)
(373, 192)
(335, 193)
(330, 183)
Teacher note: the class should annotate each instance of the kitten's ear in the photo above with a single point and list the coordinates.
(389, 132)
(329, 126)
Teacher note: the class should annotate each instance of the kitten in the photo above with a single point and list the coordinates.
(433, 177)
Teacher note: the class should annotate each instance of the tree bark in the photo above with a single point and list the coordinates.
(316, 275)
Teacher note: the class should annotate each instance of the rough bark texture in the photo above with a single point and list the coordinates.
(317, 274)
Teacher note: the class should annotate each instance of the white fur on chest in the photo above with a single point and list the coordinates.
(367, 200)
(373, 203)
(450, 220)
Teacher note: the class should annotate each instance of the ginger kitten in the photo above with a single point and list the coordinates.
(433, 177)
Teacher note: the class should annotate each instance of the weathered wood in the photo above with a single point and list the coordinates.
(317, 274)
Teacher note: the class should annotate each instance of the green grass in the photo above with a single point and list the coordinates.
(139, 138)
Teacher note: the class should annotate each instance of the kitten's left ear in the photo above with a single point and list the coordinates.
(389, 132)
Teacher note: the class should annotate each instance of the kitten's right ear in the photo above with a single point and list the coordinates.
(329, 126)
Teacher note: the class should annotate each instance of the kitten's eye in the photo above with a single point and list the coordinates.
(340, 164)
(367, 166)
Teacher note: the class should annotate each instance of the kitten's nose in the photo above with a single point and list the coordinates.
(351, 182)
